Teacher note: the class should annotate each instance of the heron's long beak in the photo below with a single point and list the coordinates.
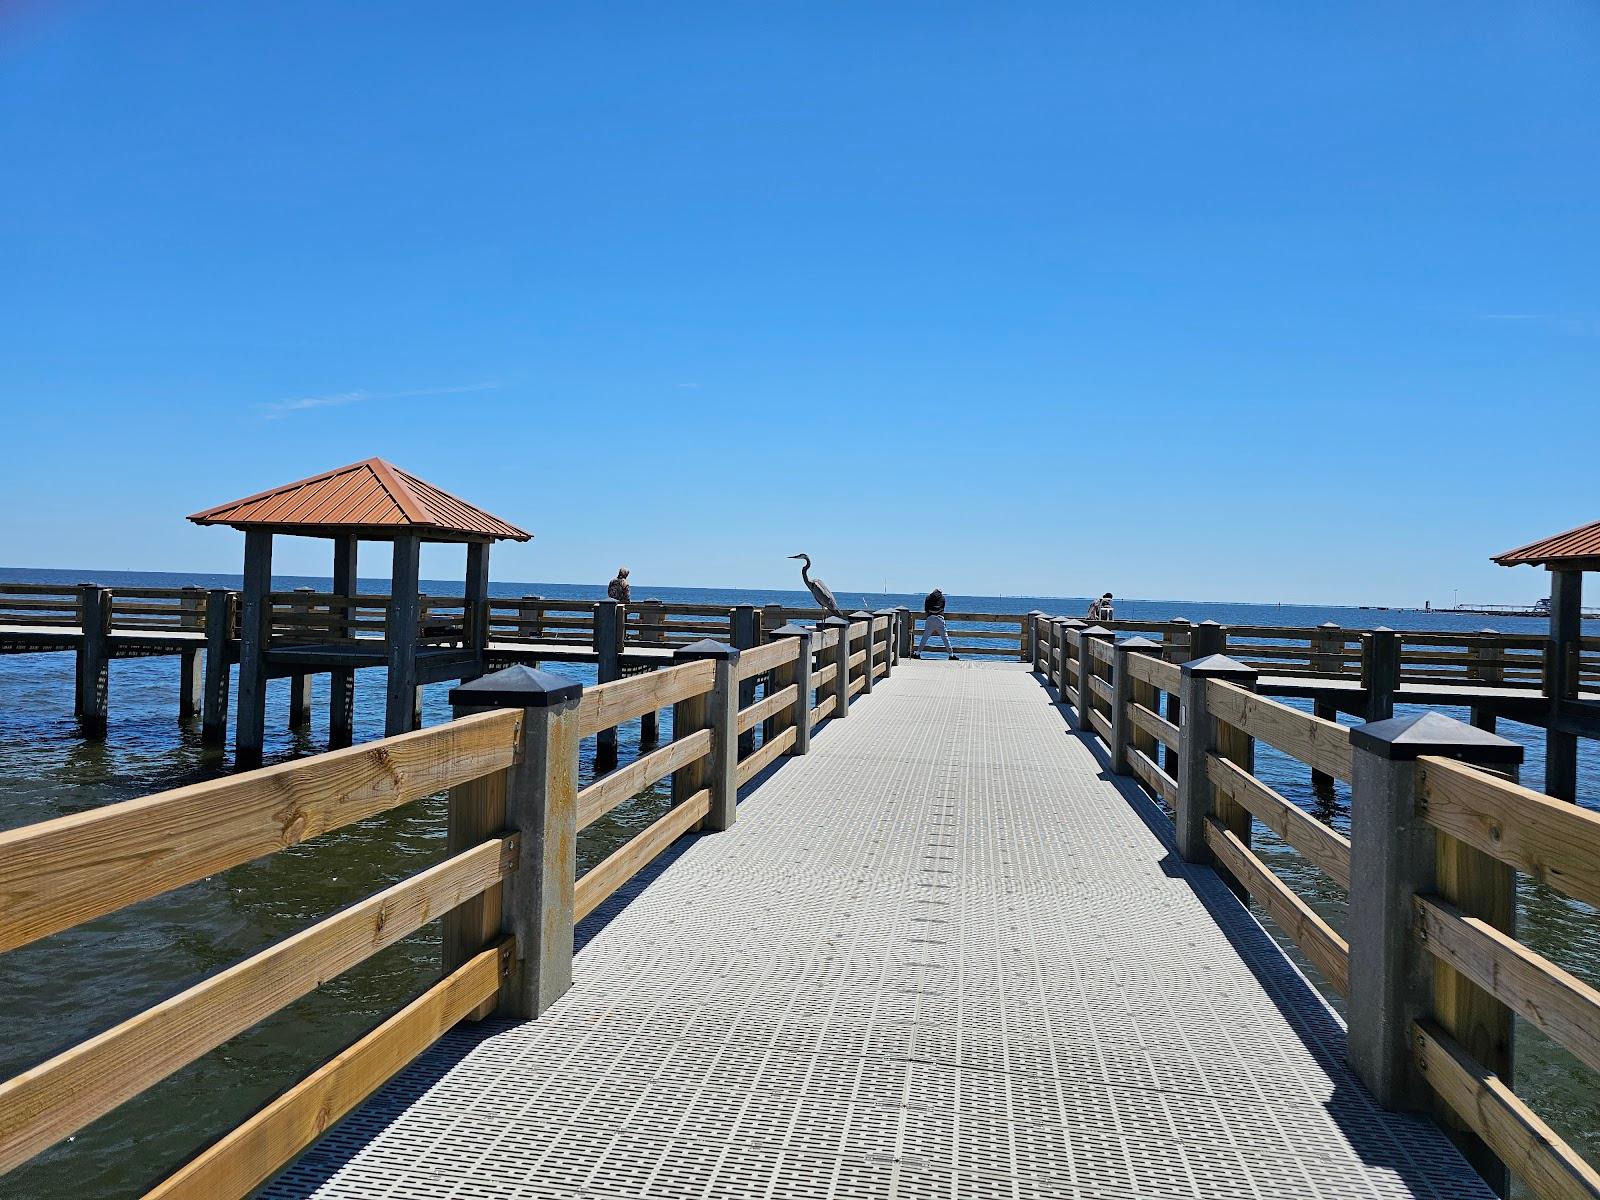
(797, 556)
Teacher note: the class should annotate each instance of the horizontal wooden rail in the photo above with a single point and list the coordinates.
(270, 1139)
(43, 1105)
(823, 710)
(605, 793)
(822, 676)
(1100, 725)
(1146, 668)
(1153, 723)
(1322, 745)
(750, 767)
(1533, 1151)
(1324, 848)
(1328, 952)
(1153, 777)
(1559, 1003)
(58, 873)
(1101, 689)
(1550, 839)
(765, 658)
(610, 704)
(601, 881)
(758, 712)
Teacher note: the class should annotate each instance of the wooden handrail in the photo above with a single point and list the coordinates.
(1323, 745)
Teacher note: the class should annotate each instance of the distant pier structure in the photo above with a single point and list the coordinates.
(297, 634)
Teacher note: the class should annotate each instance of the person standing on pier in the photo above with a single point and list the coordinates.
(933, 623)
(618, 588)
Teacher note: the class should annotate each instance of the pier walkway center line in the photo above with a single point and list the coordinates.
(946, 954)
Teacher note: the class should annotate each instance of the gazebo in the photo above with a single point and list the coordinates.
(1566, 556)
(373, 501)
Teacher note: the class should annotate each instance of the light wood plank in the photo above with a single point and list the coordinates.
(1532, 1151)
(605, 793)
(58, 873)
(1322, 745)
(610, 704)
(1553, 840)
(1154, 778)
(757, 762)
(60, 1096)
(1153, 723)
(1325, 848)
(627, 861)
(271, 1138)
(1149, 669)
(764, 658)
(1328, 952)
(750, 717)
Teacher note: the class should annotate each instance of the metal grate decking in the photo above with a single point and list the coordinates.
(944, 955)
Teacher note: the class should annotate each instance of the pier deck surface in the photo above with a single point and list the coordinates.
(944, 955)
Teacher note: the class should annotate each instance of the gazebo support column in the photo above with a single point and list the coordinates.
(342, 680)
(1561, 681)
(477, 603)
(400, 634)
(255, 615)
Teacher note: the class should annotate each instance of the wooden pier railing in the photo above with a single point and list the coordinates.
(1428, 960)
(508, 893)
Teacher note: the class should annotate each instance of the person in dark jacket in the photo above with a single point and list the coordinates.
(618, 588)
(933, 624)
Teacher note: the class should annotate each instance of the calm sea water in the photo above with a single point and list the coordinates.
(71, 986)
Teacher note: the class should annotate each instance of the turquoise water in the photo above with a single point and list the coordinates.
(68, 987)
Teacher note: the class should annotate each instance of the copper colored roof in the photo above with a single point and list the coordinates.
(372, 495)
(1570, 548)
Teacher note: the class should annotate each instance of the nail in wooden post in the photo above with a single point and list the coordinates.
(1198, 737)
(1393, 858)
(742, 636)
(608, 658)
(1122, 686)
(541, 805)
(721, 772)
(798, 673)
(94, 655)
(221, 610)
(841, 663)
(255, 628)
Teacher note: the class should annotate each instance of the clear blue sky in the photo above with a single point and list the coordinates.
(1243, 301)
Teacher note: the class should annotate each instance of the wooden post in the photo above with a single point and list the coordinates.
(342, 680)
(1030, 637)
(1327, 649)
(608, 657)
(1068, 631)
(1393, 857)
(650, 613)
(721, 766)
(400, 636)
(255, 629)
(1561, 682)
(1380, 671)
(841, 664)
(742, 636)
(476, 602)
(94, 658)
(221, 611)
(866, 618)
(475, 811)
(541, 805)
(1491, 670)
(1122, 689)
(886, 617)
(1179, 638)
(905, 629)
(1199, 736)
(191, 661)
(798, 673)
(690, 715)
(300, 681)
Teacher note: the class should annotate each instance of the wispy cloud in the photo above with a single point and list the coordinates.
(278, 409)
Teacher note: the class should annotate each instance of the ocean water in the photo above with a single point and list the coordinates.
(77, 983)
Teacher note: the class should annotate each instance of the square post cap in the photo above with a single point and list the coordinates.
(1330, 625)
(793, 630)
(885, 612)
(705, 648)
(832, 623)
(1406, 738)
(520, 686)
(861, 614)
(1141, 644)
(1034, 612)
(1096, 631)
(1072, 623)
(1218, 666)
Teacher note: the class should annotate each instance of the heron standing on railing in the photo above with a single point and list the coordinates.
(820, 591)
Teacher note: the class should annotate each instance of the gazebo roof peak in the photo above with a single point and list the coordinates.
(373, 498)
(1576, 549)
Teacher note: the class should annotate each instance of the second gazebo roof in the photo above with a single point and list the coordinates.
(374, 498)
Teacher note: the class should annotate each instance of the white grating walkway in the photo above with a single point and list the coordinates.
(942, 956)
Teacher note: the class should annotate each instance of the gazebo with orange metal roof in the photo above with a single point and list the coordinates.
(372, 500)
(1566, 556)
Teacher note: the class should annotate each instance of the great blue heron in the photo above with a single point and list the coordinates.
(819, 590)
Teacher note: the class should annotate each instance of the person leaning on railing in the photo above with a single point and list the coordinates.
(618, 588)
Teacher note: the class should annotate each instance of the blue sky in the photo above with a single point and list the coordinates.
(1237, 301)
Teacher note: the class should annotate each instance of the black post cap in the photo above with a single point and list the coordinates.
(1218, 666)
(516, 687)
(793, 630)
(832, 623)
(1406, 738)
(1140, 644)
(703, 649)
